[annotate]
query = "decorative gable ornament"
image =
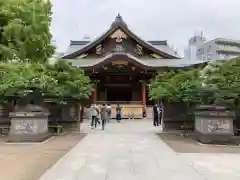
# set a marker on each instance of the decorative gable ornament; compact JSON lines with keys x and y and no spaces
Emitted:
{"x":118,"y":35}
{"x":156,"y":56}
{"x":82,"y":55}
{"x":139,"y":50}
{"x":99,"y":50}
{"x":119,"y":48}
{"x":119,"y":63}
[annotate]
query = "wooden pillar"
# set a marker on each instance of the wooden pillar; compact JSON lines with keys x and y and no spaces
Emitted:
{"x":143,"y":92}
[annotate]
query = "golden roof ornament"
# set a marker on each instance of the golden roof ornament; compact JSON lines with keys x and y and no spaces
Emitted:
{"x":156,"y":56}
{"x":139,"y":50}
{"x":99,"y":50}
{"x":120,"y":62}
{"x":82,"y":55}
{"x":118,"y":35}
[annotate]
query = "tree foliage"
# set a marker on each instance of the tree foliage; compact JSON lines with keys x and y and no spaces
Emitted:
{"x":16,"y":78}
{"x":59,"y":80}
{"x":176,"y":85}
{"x":25,"y":30}
{"x":223,"y":78}
{"x":71,"y":81}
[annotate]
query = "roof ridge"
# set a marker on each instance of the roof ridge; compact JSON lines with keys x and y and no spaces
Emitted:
{"x":158,"y":42}
{"x":79,"y":42}
{"x":119,"y":23}
{"x":119,"y":20}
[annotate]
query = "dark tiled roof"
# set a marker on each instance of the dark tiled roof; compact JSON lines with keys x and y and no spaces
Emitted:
{"x":148,"y":63}
{"x":79,"y":42}
{"x":158,"y":42}
{"x":161,"y":45}
{"x":118,"y":23}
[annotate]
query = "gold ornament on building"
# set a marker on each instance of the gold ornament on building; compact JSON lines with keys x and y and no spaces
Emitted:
{"x":118,"y":35}
{"x":156,"y":56}
{"x":139,"y":50}
{"x":99,"y":50}
{"x":82,"y":55}
{"x":120,"y":62}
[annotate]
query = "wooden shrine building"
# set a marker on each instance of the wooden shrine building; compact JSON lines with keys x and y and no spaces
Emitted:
{"x":121,"y":65}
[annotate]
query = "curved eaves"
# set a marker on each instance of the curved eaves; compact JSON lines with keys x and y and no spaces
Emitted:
{"x":129,"y":33}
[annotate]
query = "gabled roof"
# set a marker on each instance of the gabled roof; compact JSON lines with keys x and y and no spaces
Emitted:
{"x":120,"y":24}
{"x":161,"y":45}
{"x":147,"y":63}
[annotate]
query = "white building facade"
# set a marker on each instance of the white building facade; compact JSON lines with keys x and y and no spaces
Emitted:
{"x":216,"y":49}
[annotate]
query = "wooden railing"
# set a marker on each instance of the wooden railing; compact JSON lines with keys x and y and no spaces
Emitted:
{"x":118,"y":102}
{"x":128,"y":110}
{"x":131,"y":110}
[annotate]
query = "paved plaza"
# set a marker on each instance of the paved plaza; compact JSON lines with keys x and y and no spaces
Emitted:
{"x":131,"y":150}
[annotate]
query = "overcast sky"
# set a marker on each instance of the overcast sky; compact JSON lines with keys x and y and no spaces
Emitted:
{"x":172,"y":20}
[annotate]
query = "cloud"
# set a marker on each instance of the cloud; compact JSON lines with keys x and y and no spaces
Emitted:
{"x":172,"y":20}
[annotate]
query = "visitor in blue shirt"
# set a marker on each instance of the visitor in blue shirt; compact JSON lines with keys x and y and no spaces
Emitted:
{"x":118,"y":113}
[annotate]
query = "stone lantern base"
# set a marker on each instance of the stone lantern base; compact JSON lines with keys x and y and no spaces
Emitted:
{"x":214,"y":124}
{"x":28,"y":127}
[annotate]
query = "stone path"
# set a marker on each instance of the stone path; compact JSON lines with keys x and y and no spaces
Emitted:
{"x":217,"y":166}
{"x":126,"y":151}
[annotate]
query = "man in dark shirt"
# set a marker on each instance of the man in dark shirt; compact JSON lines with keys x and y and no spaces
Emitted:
{"x":155,"y":115}
{"x":104,"y":115}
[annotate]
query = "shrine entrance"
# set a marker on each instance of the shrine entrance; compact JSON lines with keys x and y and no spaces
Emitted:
{"x":124,"y":83}
{"x":119,"y":94}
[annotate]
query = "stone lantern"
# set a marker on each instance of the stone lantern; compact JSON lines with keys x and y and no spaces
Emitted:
{"x":29,"y":120}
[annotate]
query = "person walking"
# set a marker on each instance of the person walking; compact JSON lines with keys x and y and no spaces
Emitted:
{"x":94,"y":113}
{"x":104,"y":115}
{"x":118,"y":113}
{"x":109,"y":111}
{"x":155,"y":115}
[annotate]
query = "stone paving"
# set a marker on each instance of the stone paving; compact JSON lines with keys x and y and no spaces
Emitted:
{"x":132,"y":151}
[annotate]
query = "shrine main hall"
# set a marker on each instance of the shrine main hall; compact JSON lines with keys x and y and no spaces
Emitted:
{"x":121,"y":65}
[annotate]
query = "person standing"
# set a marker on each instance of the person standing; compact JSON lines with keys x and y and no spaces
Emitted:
{"x":118,"y":113}
{"x":94,"y":113}
{"x":104,"y":115}
{"x":109,"y":111}
{"x":155,"y":115}
{"x":160,"y":114}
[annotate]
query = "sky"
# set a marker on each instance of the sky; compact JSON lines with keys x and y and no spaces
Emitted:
{"x":172,"y":20}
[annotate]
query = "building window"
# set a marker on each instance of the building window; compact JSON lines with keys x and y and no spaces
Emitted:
{"x":209,"y":48}
{"x":221,"y":56}
{"x":208,"y":57}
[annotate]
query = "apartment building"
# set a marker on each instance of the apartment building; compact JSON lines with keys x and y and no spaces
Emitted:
{"x":216,"y":49}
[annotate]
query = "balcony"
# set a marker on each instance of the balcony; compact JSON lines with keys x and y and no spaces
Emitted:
{"x":231,"y":49}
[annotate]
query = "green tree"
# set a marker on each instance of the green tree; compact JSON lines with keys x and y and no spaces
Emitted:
{"x":60,"y":80}
{"x":16,"y":78}
{"x":177,"y":85}
{"x":223,"y":77}
{"x":25,"y":30}
{"x":71,"y":81}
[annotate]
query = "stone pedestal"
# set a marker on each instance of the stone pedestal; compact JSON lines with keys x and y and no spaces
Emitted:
{"x":214,"y":124}
{"x":28,"y":126}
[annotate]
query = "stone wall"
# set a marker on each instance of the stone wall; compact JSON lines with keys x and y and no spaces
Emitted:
{"x":175,"y":114}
